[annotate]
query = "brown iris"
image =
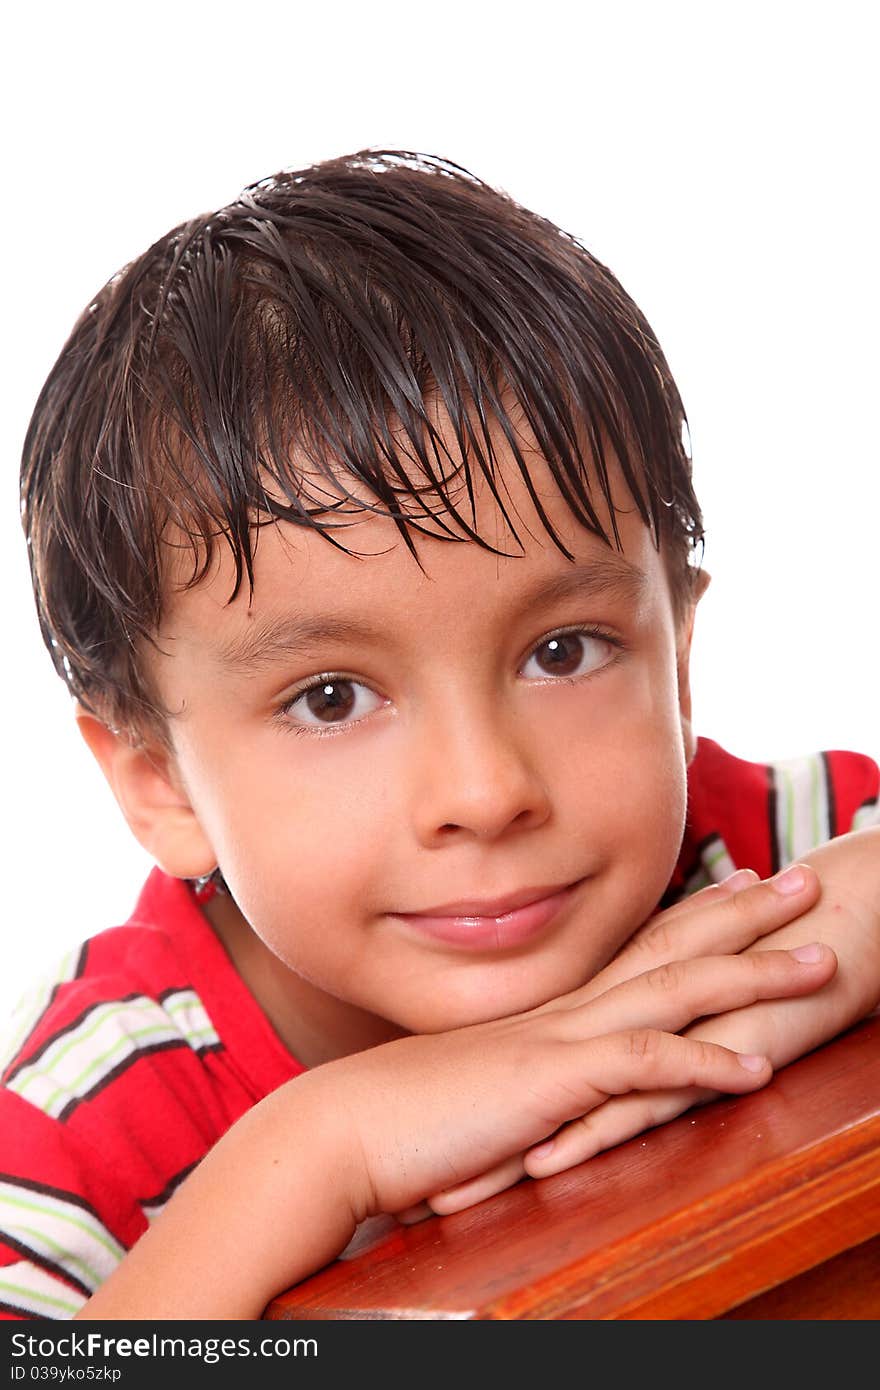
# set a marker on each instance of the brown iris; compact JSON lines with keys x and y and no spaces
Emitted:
{"x":332,"y":701}
{"x":560,"y":656}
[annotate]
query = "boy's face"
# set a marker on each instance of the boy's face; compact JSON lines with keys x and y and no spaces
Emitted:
{"x":481,"y":735}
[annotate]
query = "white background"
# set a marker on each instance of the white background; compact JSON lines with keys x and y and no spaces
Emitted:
{"x":721,"y":160}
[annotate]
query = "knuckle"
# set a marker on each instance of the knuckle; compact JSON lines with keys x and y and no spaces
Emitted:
{"x":656,"y":939}
{"x":744,"y":905}
{"x":644,"y":1044}
{"x":762,"y":963}
{"x":667,"y":978}
{"x":702,"y":1054}
{"x":757,"y":903}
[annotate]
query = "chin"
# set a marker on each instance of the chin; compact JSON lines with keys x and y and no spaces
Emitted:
{"x":493,"y":1002}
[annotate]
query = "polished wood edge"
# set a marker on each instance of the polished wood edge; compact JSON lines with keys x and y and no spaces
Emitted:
{"x":785,"y":1218}
{"x":843,"y":1289}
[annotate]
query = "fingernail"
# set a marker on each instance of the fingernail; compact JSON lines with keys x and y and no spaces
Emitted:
{"x":742,"y":878}
{"x":791,"y":880}
{"x":751,"y":1063}
{"x":808,"y":954}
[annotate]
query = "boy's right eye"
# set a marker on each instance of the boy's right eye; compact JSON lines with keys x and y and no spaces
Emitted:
{"x":329,"y":700}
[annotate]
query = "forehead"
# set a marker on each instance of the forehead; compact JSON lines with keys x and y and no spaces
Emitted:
{"x":299,"y":571}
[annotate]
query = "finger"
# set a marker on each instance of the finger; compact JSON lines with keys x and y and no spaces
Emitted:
{"x":720,"y":921}
{"x":746,"y":907}
{"x":734,"y":883}
{"x":648,"y":1059}
{"x":613,"y":1123}
{"x":467,"y":1194}
{"x":675,"y":994}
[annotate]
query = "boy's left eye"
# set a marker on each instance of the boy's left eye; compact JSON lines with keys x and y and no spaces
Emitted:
{"x":568,"y":654}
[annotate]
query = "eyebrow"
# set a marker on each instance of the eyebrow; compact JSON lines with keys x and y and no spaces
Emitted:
{"x":291,"y":635}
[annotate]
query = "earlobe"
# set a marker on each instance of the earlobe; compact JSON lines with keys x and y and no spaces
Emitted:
{"x":144,"y":781}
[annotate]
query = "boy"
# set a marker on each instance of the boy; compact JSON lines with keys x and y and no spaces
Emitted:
{"x":361,"y":530}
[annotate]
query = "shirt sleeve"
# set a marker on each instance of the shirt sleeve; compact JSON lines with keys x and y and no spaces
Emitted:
{"x":65,"y":1221}
{"x":855,"y":788}
{"x":115,"y":1084}
{"x":762,"y":816}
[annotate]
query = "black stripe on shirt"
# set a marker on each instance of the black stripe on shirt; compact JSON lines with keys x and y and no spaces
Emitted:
{"x":772,"y":799}
{"x":36,"y":1257}
{"x":68,"y":1028}
{"x":78,"y":973}
{"x":169,"y":1045}
{"x":20,"y":1312}
{"x":170,"y":1187}
{"x":829,"y":796}
{"x":59,"y":1193}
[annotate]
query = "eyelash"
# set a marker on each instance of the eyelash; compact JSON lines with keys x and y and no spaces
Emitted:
{"x":334,"y":677}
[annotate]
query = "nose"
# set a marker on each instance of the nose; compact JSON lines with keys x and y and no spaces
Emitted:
{"x":475,"y":776}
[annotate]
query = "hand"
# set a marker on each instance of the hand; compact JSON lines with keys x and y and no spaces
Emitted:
{"x":382,"y":1129}
{"x":434,"y":1111}
{"x":847,"y":918}
{"x":732,"y":916}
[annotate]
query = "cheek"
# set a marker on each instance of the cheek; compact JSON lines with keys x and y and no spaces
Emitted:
{"x":297,"y":826}
{"x":631,"y":846}
{"x":626,"y":785}
{"x":632,"y":806}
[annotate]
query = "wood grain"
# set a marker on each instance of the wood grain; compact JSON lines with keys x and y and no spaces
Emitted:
{"x":691,"y":1220}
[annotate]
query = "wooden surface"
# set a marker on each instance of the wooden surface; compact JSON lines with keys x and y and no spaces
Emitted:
{"x":763,"y":1206}
{"x":847,"y":1287}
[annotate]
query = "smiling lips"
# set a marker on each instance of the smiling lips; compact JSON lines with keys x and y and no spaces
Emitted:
{"x":491,"y":925}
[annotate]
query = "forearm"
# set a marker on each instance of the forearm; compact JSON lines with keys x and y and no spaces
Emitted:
{"x":265,"y":1208}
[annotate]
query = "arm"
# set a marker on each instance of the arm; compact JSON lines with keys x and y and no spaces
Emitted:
{"x":281,"y":1194}
{"x":846,"y":918}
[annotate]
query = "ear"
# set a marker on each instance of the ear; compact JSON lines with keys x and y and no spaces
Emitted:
{"x":702,"y":581}
{"x":146,"y":783}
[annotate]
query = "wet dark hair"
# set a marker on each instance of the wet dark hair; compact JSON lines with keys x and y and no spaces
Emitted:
{"x":280,"y":358}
